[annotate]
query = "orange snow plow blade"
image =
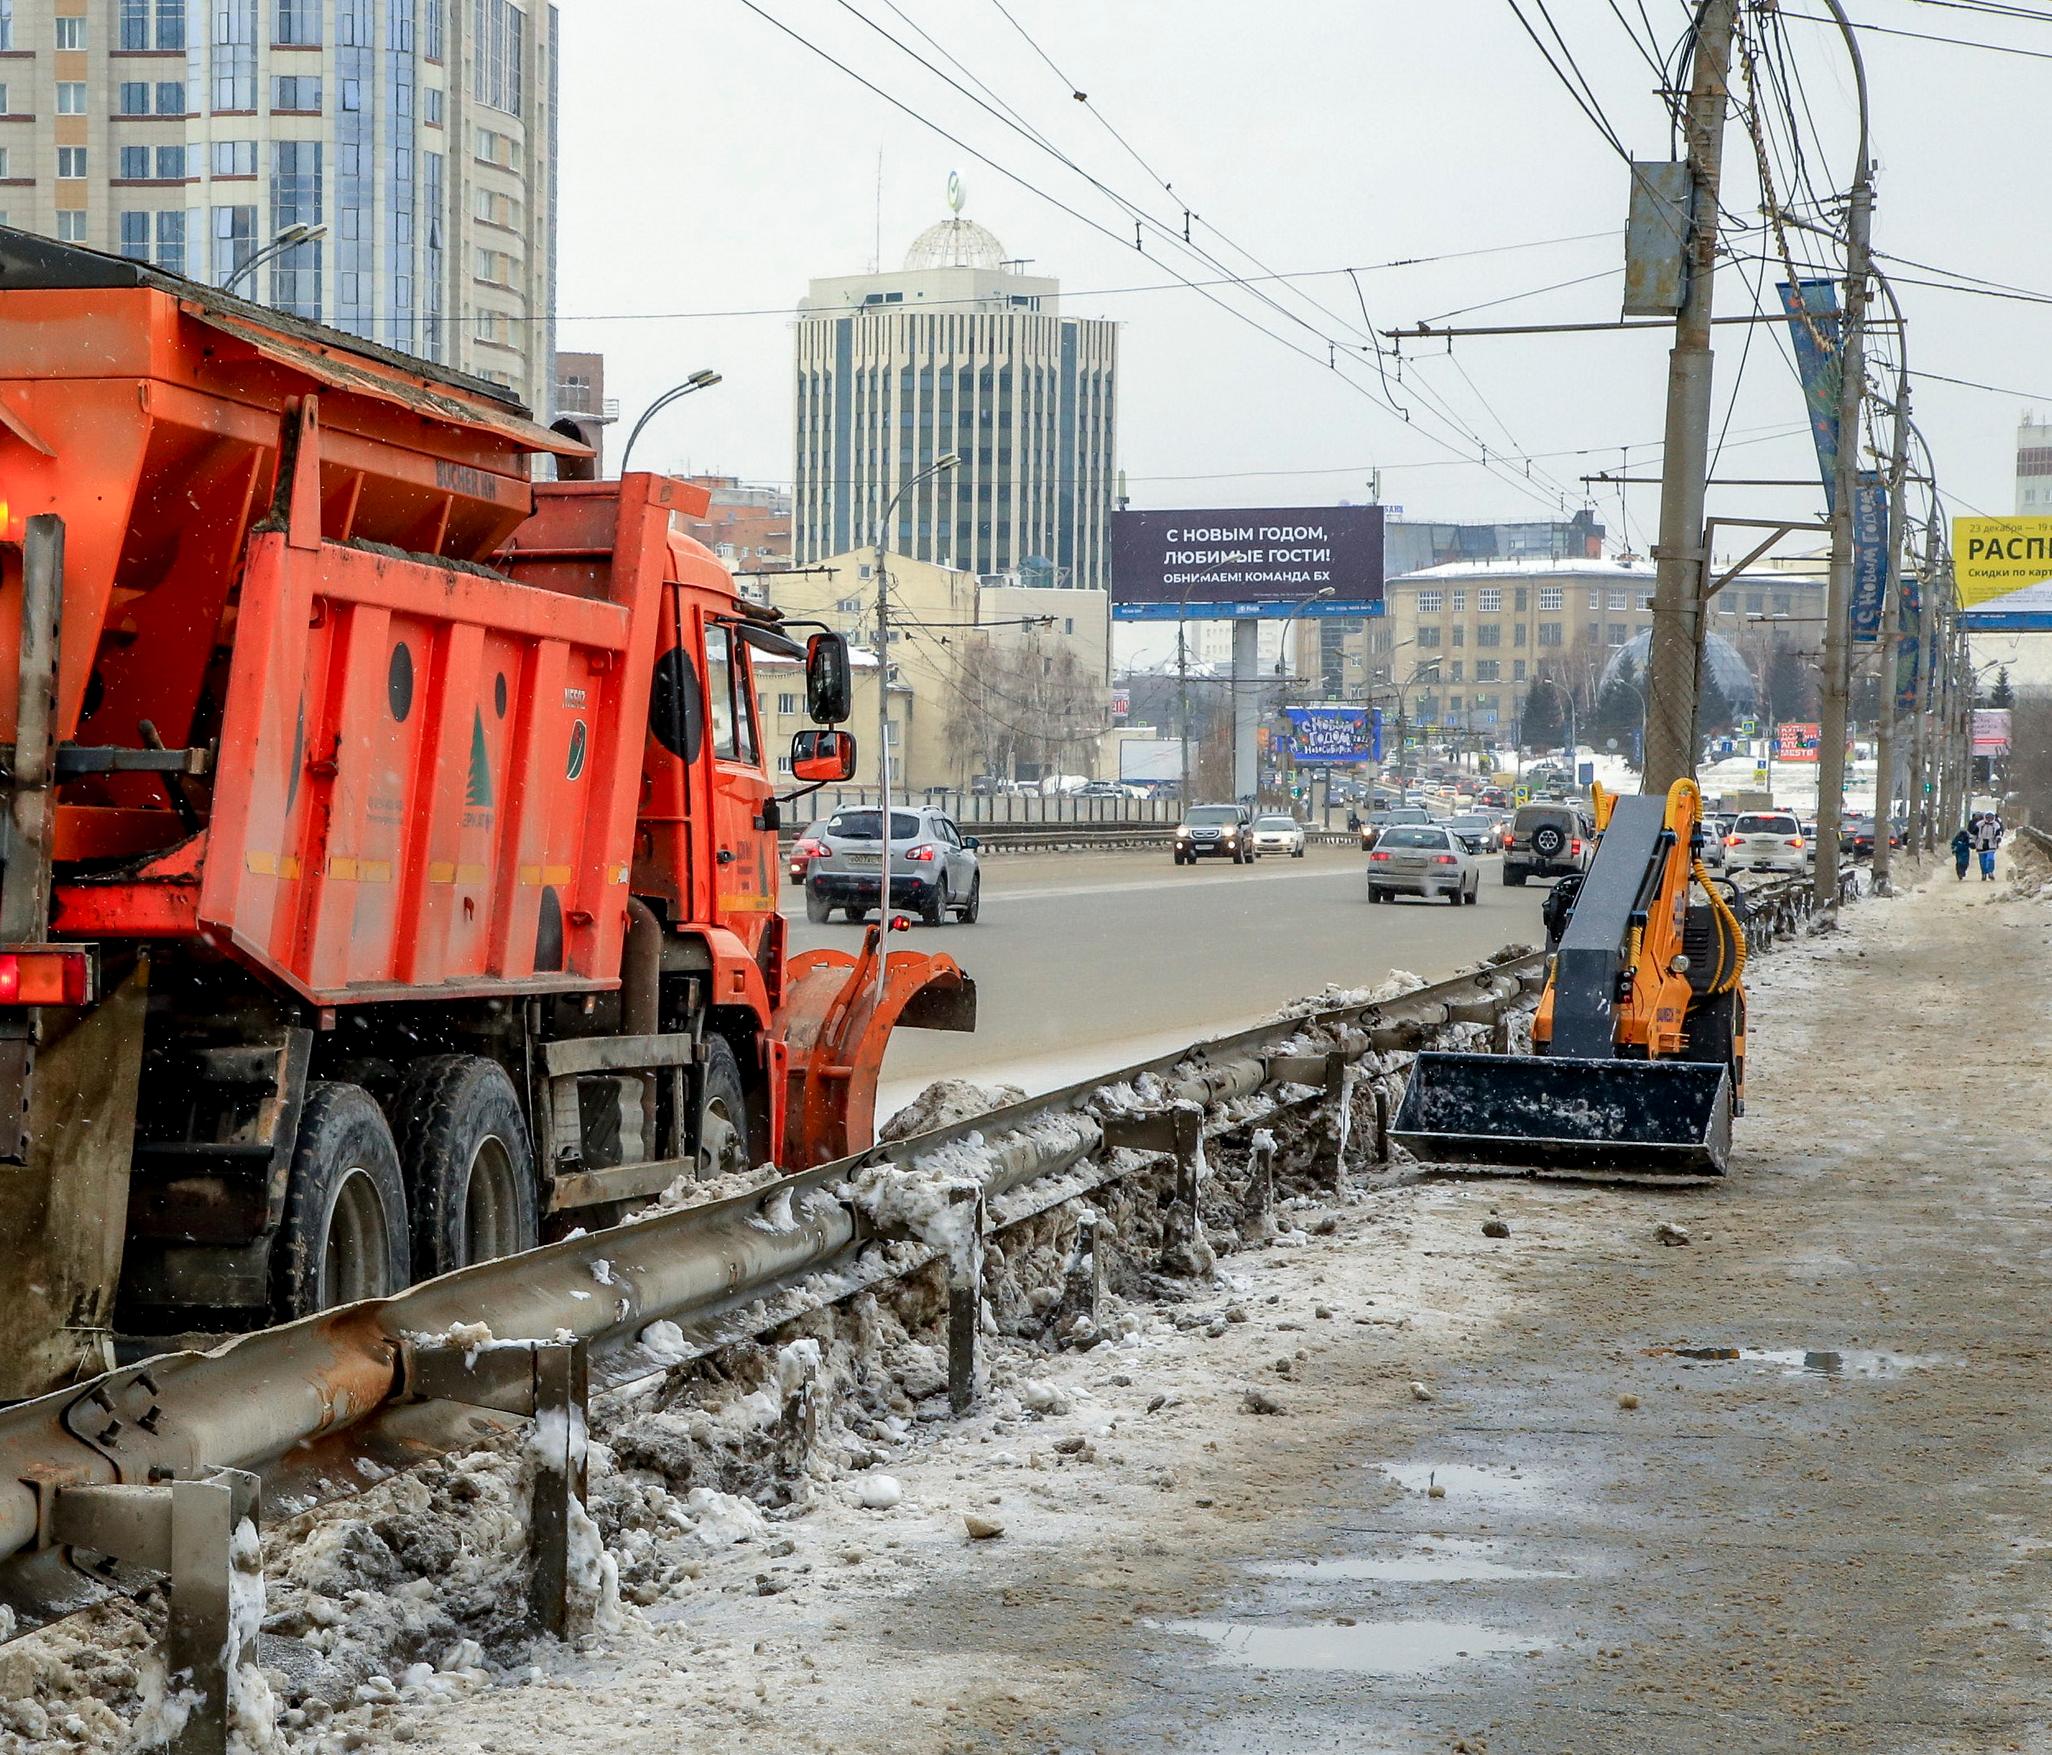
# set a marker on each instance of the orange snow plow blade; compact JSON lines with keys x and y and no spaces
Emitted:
{"x":835,"y":1032}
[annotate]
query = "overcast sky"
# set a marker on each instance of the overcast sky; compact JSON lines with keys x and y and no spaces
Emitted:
{"x":713,"y":164}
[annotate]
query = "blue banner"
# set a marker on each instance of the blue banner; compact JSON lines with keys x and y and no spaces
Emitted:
{"x":1870,"y":556}
{"x":1909,"y":644}
{"x":1334,"y":734}
{"x":1812,"y":307}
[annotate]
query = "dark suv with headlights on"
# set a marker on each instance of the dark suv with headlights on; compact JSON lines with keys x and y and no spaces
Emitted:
{"x":1216,"y":831}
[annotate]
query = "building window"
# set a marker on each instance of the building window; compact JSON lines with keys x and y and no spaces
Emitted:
{"x":299,"y":24}
{"x":432,"y":101}
{"x":71,"y":225}
{"x":496,"y":47}
{"x":434,"y":29}
{"x":234,"y":240}
{"x":138,"y":17}
{"x":1460,"y":602}
{"x":1756,"y":603}
{"x":71,"y":33}
{"x":1595,"y":600}
{"x":1430,"y":602}
{"x":1460,"y":635}
{"x":1645,"y":600}
{"x":1519,"y":603}
{"x":235,"y":158}
{"x":1489,"y":634}
{"x":1550,"y":634}
{"x":6,"y":24}
{"x":1428,"y":638}
{"x":1456,"y":677}
{"x":787,"y":704}
{"x":1618,"y":633}
{"x":296,"y":200}
{"x":170,"y":164}
{"x":71,"y":161}
{"x":135,"y":236}
{"x":1618,"y":600}
{"x":1550,"y":596}
{"x":135,"y":163}
{"x":133,"y":98}
{"x":170,"y":97}
{"x":1489,"y":600}
{"x":1488,"y":670}
{"x":71,"y":97}
{"x":1784,"y":603}
{"x":1517,"y":670}
{"x":296,"y":91}
{"x":171,"y":241}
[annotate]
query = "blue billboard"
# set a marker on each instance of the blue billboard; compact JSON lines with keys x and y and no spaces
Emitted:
{"x":1870,"y":556}
{"x":1334,"y":734}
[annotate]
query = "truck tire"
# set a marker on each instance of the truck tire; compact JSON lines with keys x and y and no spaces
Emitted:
{"x":817,"y":907}
{"x":343,"y":1236}
{"x":723,"y":1123}
{"x":468,"y":1161}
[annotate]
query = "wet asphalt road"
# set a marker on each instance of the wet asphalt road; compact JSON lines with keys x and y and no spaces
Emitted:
{"x":1088,"y":962}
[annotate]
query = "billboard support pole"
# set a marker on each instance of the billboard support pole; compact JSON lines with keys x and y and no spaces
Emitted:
{"x":1246,"y":708}
{"x":1183,"y":690}
{"x":1676,"y":656}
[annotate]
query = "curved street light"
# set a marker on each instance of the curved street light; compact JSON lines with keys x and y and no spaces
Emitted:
{"x":702,"y":379}
{"x":939,"y":466}
{"x":1282,"y":648}
{"x":289,"y":239}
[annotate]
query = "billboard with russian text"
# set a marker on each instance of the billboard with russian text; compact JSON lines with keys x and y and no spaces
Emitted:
{"x":1334,"y":734}
{"x":2003,"y":567}
{"x":1246,"y":564}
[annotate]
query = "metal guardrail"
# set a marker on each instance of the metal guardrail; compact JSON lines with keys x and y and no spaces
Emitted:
{"x":151,"y":1468}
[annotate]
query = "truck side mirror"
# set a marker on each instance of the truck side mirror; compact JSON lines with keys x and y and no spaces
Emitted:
{"x":829,"y":680}
{"x":823,"y":757}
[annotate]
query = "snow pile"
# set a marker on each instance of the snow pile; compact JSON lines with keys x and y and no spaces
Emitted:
{"x":945,"y":1102}
{"x":934,"y":1199}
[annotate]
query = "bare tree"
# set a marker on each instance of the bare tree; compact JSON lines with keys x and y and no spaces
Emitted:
{"x":1019,"y":699}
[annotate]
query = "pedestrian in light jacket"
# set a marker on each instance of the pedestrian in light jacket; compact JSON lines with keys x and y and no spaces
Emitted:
{"x":1962,"y":850}
{"x":1987,"y":838}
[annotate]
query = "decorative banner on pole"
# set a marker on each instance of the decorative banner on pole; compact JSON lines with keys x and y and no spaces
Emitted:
{"x":1812,"y":307}
{"x":1335,"y":734}
{"x":1909,"y":609}
{"x":1870,"y":556}
{"x":1799,"y":741}
{"x":1991,"y":731}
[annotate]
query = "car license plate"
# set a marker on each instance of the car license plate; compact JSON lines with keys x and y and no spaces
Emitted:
{"x":870,"y":861}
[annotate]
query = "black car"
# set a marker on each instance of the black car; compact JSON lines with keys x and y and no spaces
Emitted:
{"x":1216,"y":831}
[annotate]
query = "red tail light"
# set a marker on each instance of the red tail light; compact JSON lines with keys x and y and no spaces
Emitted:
{"x":1734,"y":840}
{"x":924,"y":853}
{"x":1795,"y":840}
{"x":1378,"y":856}
{"x":46,"y":977}
{"x":807,"y":848}
{"x":1444,"y":859}
{"x":1575,"y":848}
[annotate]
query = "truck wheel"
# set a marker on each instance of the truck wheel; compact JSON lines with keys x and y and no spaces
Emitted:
{"x":723,"y":1114}
{"x":343,"y":1236}
{"x":468,"y":1161}
{"x":817,"y":908}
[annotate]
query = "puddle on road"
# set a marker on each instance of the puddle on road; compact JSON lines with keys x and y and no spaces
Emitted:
{"x":1454,"y":1562}
{"x":1472,"y":1482}
{"x":1368,"y":1648}
{"x":1798,"y":1362}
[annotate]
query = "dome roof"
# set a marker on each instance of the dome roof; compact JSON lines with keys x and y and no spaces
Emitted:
{"x":1721,"y":660}
{"x":955,"y":243}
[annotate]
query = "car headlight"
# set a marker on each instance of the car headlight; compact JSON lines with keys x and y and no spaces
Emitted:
{"x":1182,"y":834}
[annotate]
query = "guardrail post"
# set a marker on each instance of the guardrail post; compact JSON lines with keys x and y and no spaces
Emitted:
{"x":1259,"y":1210}
{"x":1339,"y":1086}
{"x":185,"y":1529}
{"x":1083,"y":1282}
{"x":562,"y":1399}
{"x":1183,"y":1246}
{"x":965,"y":1302}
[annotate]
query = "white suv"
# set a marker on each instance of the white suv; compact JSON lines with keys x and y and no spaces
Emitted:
{"x":1766,"y":841}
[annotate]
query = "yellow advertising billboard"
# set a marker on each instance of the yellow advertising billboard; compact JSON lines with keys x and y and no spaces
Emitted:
{"x":2003,"y":567}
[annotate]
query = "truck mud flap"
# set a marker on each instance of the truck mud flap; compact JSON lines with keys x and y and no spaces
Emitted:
{"x":1610,"y":1117}
{"x":64,"y":1213}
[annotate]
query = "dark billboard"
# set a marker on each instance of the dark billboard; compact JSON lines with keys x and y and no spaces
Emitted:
{"x":1261,"y":563}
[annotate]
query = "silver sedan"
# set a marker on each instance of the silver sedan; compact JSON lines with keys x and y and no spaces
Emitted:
{"x":1428,"y":862}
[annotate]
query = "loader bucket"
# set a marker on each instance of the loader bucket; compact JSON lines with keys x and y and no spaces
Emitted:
{"x":1615,"y":1117}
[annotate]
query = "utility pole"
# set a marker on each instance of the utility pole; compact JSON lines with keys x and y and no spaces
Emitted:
{"x":1183,"y":698}
{"x":1838,"y":604}
{"x":1891,"y":584}
{"x":1676,"y":659}
{"x":1917,"y":835}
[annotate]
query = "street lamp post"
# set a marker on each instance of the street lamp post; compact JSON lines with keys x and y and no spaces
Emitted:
{"x":939,"y":466}
{"x":289,"y":239}
{"x":702,"y":379}
{"x":1417,"y":672}
{"x":1282,"y":659}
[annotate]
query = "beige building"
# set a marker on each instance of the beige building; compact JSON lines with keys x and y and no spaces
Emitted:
{"x":998,"y":676}
{"x":413,"y":138}
{"x":1467,"y":639}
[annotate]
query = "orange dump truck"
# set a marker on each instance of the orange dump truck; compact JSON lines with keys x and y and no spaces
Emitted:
{"x":390,"y":864}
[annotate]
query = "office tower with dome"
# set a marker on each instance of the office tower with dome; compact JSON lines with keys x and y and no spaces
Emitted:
{"x":960,"y":351}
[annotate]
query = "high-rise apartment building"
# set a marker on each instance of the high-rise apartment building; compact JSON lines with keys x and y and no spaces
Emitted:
{"x":415,"y":140}
{"x":963,"y":352}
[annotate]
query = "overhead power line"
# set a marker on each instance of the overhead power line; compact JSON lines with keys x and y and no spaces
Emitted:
{"x":1883,"y":30}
